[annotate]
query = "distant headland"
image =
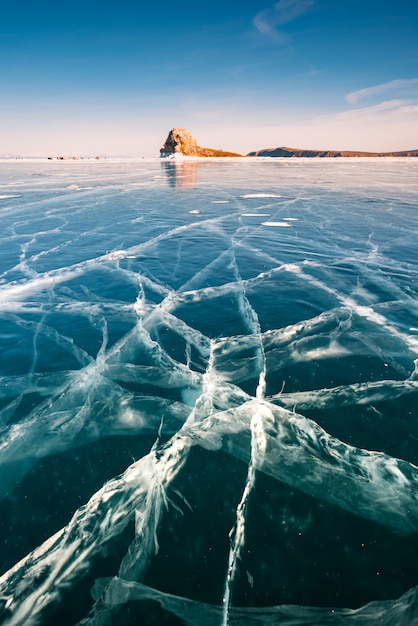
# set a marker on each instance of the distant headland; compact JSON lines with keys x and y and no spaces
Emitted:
{"x":298,"y":152}
{"x":181,"y":142}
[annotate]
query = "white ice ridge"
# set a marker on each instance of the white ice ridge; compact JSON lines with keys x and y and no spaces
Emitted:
{"x":116,"y":591}
{"x":291,"y":448}
{"x":346,"y":395}
{"x":73,"y":397}
{"x":140,"y":492}
{"x":237,"y":534}
{"x":333,"y":333}
{"x":301,"y":454}
{"x":65,"y":419}
{"x":17,"y":290}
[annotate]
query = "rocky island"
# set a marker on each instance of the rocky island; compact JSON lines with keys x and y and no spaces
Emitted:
{"x":181,"y":142}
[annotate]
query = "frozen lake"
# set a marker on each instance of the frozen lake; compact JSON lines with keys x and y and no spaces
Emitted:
{"x":209,"y":392}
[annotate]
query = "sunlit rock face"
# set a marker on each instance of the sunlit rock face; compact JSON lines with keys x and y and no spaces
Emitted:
{"x":181,"y":142}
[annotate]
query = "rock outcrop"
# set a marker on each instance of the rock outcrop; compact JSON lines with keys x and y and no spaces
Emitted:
{"x":180,"y":141}
{"x":298,"y":152}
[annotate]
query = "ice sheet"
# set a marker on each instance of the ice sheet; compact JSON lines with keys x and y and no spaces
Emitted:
{"x":205,"y":415}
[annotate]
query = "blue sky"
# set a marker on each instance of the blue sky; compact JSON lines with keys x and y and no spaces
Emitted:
{"x":89,"y":77}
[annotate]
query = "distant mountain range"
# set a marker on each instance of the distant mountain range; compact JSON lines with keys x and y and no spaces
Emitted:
{"x":299,"y":152}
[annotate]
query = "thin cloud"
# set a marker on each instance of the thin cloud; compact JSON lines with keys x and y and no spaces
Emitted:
{"x":388,"y":126}
{"x":376,"y":90}
{"x":284,"y":11}
{"x":377,"y":111}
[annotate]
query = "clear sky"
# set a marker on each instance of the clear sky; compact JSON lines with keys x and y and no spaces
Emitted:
{"x":97,"y":77}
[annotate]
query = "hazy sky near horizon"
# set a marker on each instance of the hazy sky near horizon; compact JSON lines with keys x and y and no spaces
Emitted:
{"x":89,"y":77}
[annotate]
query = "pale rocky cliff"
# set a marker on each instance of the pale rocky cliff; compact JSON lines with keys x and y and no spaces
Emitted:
{"x":180,"y":141}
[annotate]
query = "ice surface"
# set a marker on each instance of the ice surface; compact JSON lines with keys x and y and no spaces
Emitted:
{"x":207,"y":417}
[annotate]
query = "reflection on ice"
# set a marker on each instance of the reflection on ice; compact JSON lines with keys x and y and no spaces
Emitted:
{"x":181,"y":172}
{"x":208,"y":421}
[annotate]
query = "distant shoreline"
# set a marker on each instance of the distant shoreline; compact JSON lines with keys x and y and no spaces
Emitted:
{"x":256,"y":156}
{"x":301,"y":152}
